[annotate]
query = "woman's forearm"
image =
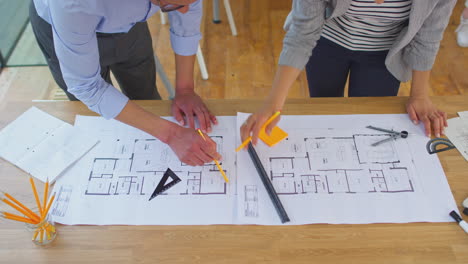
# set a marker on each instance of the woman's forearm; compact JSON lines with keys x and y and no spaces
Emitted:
{"x":284,"y":79}
{"x":420,"y":84}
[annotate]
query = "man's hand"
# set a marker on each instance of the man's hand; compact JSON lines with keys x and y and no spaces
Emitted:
{"x":187,"y":144}
{"x":187,"y":105}
{"x":422,"y":109}
{"x":191,"y":148}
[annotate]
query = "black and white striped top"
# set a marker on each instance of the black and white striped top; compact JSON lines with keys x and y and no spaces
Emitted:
{"x":368,"y":26}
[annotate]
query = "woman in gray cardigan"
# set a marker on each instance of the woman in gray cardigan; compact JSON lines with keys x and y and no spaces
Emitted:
{"x":377,"y":43}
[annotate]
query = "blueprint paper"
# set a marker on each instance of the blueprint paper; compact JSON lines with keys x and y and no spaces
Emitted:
{"x":326,"y":171}
{"x":457,"y":132}
{"x":43,"y":145}
{"x":113,"y":182}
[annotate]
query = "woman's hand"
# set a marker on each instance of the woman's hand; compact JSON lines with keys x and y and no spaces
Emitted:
{"x":421,"y":109}
{"x":255,"y":122}
{"x":284,"y":78}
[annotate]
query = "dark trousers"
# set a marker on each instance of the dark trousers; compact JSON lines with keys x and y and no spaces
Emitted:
{"x":129,"y":56}
{"x":330,"y":64}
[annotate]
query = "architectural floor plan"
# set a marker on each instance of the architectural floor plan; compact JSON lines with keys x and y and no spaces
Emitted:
{"x":112,"y":184}
{"x":327,"y":171}
{"x":339,"y":165}
{"x":137,"y":166}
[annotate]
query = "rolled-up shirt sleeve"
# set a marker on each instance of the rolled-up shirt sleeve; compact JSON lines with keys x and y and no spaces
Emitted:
{"x":75,"y":42}
{"x":185,"y":29}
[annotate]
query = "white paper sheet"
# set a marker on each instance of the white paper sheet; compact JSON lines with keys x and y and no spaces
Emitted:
{"x":327,"y":172}
{"x":113,"y":182}
{"x":463,"y":114}
{"x":43,"y":145}
{"x":457,"y":132}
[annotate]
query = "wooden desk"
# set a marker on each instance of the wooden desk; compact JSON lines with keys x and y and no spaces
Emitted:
{"x":319,"y":243}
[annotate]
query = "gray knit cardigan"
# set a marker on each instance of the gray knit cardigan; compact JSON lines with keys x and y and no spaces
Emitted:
{"x":415,"y":48}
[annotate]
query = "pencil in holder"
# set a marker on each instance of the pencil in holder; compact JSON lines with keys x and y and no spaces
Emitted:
{"x":42,"y":233}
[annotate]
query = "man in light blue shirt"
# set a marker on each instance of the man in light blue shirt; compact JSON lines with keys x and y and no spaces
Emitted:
{"x":83,"y":40}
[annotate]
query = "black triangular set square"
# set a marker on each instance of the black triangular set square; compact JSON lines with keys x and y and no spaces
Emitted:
{"x":163,"y":185}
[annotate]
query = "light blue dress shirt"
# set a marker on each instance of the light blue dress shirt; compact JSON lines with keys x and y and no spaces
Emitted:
{"x":74,"y":25}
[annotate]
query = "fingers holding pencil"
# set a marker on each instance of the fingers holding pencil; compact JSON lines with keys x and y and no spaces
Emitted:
{"x":215,"y":159}
{"x":209,"y":148}
{"x":254,"y":124}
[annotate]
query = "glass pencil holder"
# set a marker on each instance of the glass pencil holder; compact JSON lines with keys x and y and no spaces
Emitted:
{"x":42,"y":233}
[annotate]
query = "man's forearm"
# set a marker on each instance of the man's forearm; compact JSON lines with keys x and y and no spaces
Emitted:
{"x":136,"y":116}
{"x":184,"y":73}
{"x":420,"y":84}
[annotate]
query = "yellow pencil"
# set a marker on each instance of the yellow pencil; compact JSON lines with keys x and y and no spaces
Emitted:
{"x":18,"y":218}
{"x":222,"y":171}
{"x":216,"y":162}
{"x":47,"y":234}
{"x":246,"y":142}
{"x":32,"y":217}
{"x":46,"y":211}
{"x":46,"y":194}
{"x":45,"y":229}
{"x":271,"y":118}
{"x":50,"y":227}
{"x":36,"y":196}
{"x":20,"y":204}
{"x":201,"y":134}
{"x":41,"y":236}
{"x":35,"y":234}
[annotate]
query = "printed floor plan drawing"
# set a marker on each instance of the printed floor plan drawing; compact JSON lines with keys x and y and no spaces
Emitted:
{"x":339,"y":165}
{"x":326,"y":171}
{"x":138,"y":165}
{"x":61,"y":202}
{"x":113,"y":183}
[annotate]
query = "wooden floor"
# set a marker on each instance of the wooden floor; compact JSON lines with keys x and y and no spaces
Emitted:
{"x":243,"y":66}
